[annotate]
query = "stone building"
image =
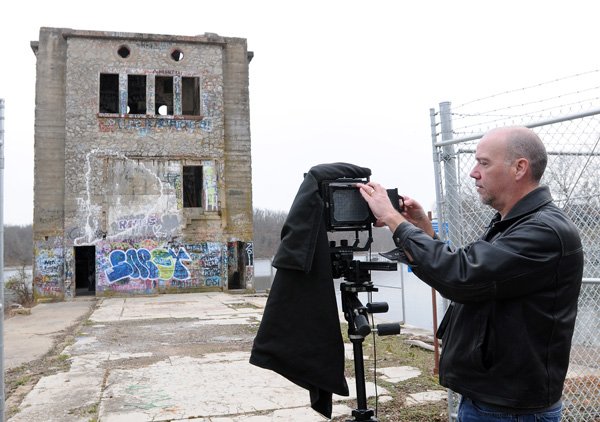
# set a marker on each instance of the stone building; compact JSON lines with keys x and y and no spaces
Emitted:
{"x":143,"y":171}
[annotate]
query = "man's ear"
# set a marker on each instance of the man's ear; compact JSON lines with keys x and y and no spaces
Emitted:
{"x":521,"y":168}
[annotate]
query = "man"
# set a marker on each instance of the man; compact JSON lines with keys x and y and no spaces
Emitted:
{"x":507,"y":336}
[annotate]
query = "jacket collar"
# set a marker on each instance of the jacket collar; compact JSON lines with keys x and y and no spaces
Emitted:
{"x":531,"y":202}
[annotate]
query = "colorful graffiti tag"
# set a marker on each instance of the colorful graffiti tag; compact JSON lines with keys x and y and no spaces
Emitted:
{"x":158,"y":264}
{"x":208,"y":261}
{"x":211,"y":198}
{"x":145,"y":125}
{"x":49,"y":268}
{"x":149,"y":266}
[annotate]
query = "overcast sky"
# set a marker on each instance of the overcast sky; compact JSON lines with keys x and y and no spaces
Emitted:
{"x":330,"y":81}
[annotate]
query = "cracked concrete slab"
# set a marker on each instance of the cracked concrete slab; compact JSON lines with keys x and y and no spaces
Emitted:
{"x":176,"y":357}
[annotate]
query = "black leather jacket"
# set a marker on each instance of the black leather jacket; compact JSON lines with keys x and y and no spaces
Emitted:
{"x":507,"y":337}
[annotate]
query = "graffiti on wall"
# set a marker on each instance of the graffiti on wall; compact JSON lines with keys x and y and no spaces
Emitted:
{"x":155,"y":264}
{"x":208,"y":260}
{"x":249,"y":249}
{"x":209,"y":178}
{"x":150,"y":212}
{"x":68,"y":276}
{"x":146,"y":225}
{"x":49,"y":268}
{"x":135,"y":221}
{"x":149,"y":266}
{"x":146,"y":125}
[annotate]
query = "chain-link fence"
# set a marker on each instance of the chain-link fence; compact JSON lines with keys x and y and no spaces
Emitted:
{"x":573,"y":175}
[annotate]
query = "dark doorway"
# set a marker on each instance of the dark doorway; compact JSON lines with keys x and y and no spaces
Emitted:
{"x":239,"y":258}
{"x":85,"y":270}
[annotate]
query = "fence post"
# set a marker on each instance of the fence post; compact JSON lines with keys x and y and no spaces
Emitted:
{"x":451,"y":204}
{"x":451,"y":196}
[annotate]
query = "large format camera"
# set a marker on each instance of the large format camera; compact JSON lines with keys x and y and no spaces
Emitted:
{"x":346,"y":211}
{"x":346,"y":208}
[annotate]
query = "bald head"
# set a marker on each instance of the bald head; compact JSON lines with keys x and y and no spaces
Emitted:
{"x":510,"y":162}
{"x":522,"y":142}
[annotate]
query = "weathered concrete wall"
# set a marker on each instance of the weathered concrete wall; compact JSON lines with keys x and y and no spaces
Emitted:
{"x":238,"y":172}
{"x":120,"y":174}
{"x":49,"y":137}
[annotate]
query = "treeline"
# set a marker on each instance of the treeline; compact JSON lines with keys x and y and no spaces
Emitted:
{"x":267,"y":234}
{"x":18,"y":245}
{"x":18,"y":240}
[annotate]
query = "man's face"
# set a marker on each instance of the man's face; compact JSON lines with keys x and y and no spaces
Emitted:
{"x":492,"y":174}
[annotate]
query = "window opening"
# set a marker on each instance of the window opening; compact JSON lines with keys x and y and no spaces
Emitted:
{"x":190,"y":96}
{"x":192,"y":186}
{"x":136,"y":94}
{"x":177,"y":55}
{"x":163,"y":95}
{"x":109,"y":93}
{"x":124,"y":51}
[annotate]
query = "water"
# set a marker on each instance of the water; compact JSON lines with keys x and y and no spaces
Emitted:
{"x":417,"y":295}
{"x":13,"y":271}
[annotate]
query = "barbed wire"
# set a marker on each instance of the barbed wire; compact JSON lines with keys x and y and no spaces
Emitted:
{"x":468,"y":118}
{"x":512,"y":91}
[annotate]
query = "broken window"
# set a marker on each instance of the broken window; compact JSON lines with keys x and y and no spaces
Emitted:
{"x":164,"y":98}
{"x":177,"y":55}
{"x":163,"y":95}
{"x":192,"y":186}
{"x":136,"y":94}
{"x":109,"y":93}
{"x":190,"y":96}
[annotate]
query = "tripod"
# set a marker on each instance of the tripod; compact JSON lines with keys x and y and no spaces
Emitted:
{"x":358,"y":328}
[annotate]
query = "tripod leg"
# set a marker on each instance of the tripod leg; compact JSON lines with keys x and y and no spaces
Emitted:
{"x":361,"y":413}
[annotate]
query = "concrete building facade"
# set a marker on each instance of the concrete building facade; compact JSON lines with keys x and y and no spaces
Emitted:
{"x":142,"y":177}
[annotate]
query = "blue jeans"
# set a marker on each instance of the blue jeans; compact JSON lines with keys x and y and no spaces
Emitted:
{"x":470,"y":411}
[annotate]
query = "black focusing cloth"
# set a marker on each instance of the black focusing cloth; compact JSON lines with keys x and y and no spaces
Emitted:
{"x":300,"y":336}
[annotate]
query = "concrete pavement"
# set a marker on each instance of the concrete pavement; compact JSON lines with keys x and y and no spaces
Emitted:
{"x":166,"y":358}
{"x":29,"y":337}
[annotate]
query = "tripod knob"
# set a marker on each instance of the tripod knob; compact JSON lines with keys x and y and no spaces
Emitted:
{"x":388,"y":329}
{"x":363,"y":328}
{"x":377,"y":307}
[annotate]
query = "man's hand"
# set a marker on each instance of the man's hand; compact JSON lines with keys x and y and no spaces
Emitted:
{"x":415,"y":214}
{"x":385,"y":213}
{"x":381,"y":206}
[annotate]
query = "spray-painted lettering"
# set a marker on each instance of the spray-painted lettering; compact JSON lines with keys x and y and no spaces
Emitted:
{"x":158,"y":264}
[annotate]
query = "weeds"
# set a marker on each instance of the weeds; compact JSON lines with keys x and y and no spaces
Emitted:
{"x":20,"y":285}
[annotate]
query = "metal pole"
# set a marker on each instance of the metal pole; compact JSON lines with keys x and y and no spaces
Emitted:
{"x":451,"y":198}
{"x":2,"y":259}
{"x":449,"y":158}
{"x":436,"y":172}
